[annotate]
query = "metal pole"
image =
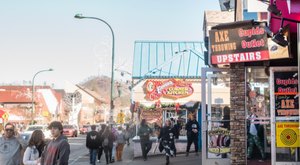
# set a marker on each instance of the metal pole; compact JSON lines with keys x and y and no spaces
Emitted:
{"x":79,"y":16}
{"x":32,"y":94}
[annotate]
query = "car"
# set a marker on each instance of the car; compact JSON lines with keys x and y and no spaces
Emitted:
{"x":70,"y":130}
{"x":28,"y":132}
{"x":85,"y":129}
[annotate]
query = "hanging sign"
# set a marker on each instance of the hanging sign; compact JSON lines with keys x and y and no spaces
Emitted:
{"x":243,"y":44}
{"x":286,"y":89}
{"x":152,"y":116}
{"x":170,"y":88}
{"x":287,"y":134}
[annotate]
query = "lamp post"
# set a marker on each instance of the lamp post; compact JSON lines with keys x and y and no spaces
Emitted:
{"x":32,"y":90}
{"x":79,"y":16}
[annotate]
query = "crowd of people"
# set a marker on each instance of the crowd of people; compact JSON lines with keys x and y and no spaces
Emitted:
{"x":108,"y":140}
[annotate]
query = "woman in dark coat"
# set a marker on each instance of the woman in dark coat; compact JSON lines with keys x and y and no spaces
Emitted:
{"x":167,"y":136}
{"x":107,"y":139}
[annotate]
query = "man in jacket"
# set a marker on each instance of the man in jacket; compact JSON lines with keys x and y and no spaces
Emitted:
{"x":57,"y":151}
{"x":11,"y":145}
{"x":92,"y":143}
{"x":144,"y":132}
{"x":192,"y":128}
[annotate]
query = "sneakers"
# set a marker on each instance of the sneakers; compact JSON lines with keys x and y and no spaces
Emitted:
{"x":261,"y":160}
{"x":98,"y":161}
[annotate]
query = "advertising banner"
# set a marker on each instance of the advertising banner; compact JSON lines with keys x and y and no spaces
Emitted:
{"x":286,"y":89}
{"x":287,"y":134}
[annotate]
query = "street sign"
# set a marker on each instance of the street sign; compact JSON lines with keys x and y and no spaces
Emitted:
{"x":5,"y":116}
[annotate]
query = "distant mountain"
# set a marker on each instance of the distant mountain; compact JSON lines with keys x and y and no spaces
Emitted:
{"x":101,"y":85}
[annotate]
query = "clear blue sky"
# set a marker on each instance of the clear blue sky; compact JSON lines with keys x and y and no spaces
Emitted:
{"x":40,"y":34}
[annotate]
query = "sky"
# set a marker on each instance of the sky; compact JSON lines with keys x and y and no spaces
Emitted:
{"x":40,"y":34}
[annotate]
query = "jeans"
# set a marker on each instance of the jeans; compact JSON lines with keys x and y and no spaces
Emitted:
{"x":93,"y":154}
{"x":146,"y":147}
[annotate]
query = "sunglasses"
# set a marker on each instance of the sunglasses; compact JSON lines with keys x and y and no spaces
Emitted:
{"x":11,"y":130}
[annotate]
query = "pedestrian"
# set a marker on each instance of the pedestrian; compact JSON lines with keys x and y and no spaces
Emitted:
{"x":192,"y":127}
{"x":107,"y":139}
{"x":114,"y":132}
{"x":176,"y":129}
{"x":92,"y":143}
{"x":57,"y":151}
{"x":11,"y":145}
{"x":253,"y":135}
{"x":120,"y":143}
{"x":167,"y":138}
{"x":33,"y":152}
{"x":144,"y":132}
{"x":100,"y":149}
{"x":127,"y":135}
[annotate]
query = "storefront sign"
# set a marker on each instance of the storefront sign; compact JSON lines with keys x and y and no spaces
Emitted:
{"x":286,"y":89}
{"x":219,"y":141}
{"x":167,"y":88}
{"x":287,"y":134}
{"x":152,"y":116}
{"x":242,"y":44}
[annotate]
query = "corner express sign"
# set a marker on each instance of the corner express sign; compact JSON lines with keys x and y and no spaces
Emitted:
{"x":170,"y":88}
{"x":243,"y":44}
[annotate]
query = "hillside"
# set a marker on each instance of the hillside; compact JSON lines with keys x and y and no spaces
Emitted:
{"x":101,"y":85}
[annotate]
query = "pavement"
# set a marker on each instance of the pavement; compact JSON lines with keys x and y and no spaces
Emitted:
{"x":127,"y":159}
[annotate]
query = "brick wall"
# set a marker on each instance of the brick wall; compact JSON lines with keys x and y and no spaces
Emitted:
{"x":237,"y":114}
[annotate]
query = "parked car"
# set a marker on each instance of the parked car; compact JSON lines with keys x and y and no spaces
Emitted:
{"x":70,"y":130}
{"x":28,"y":132}
{"x":85,"y":129}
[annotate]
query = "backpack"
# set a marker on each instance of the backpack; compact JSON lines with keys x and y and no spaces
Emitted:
{"x":120,"y":138}
{"x":105,"y":141}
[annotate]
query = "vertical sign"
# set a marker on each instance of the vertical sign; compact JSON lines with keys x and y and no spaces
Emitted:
{"x":286,"y":90}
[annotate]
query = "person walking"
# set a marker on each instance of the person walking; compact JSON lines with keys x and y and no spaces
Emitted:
{"x":100,"y":149}
{"x":11,"y":145}
{"x":127,"y":135}
{"x":92,"y":143}
{"x":114,"y":132}
{"x":167,"y":138}
{"x":120,"y":143}
{"x":192,"y":127}
{"x":107,"y":139}
{"x":253,"y":136}
{"x":144,"y":132}
{"x":33,"y":152}
{"x":57,"y":151}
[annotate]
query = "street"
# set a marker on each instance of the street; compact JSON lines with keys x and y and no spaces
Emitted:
{"x":79,"y":156}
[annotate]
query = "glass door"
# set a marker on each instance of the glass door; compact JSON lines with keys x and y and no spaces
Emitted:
{"x":285,"y":116}
{"x":215,"y":98}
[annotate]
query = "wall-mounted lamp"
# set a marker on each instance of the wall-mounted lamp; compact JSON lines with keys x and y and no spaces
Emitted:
{"x":273,"y":9}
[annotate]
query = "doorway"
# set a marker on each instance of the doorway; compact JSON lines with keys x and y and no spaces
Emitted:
{"x":215,"y":98}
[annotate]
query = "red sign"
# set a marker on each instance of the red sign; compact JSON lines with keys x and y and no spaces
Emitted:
{"x":168,"y":88}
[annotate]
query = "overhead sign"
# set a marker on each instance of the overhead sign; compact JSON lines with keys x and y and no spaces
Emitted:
{"x":243,"y":44}
{"x":287,"y":134}
{"x":170,"y":88}
{"x":286,"y":89}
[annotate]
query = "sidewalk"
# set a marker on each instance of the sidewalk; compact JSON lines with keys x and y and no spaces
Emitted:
{"x":129,"y":160}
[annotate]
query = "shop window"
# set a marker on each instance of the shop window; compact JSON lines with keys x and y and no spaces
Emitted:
{"x":258,"y":114}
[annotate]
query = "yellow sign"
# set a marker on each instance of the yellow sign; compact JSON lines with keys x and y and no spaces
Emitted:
{"x":287,"y":134}
{"x":5,"y":116}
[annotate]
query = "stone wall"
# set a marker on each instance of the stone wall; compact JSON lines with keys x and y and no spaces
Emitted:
{"x":237,"y":114}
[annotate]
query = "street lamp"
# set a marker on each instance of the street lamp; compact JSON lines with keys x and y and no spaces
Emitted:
{"x":79,"y":16}
{"x":32,"y":90}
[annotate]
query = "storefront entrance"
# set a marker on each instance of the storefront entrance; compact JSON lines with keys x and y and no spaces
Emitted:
{"x":215,"y":84}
